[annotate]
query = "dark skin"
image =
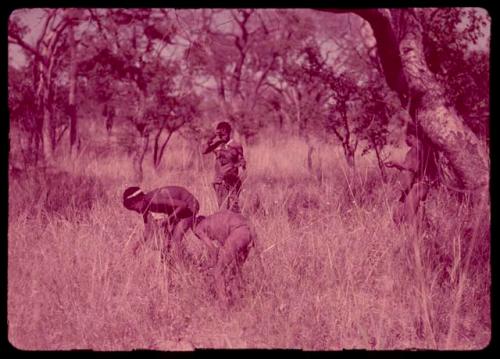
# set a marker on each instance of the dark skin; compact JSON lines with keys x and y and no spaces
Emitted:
{"x":221,"y":136}
{"x":172,"y":200}
{"x":414,"y":190}
{"x":228,"y":237}
{"x":176,"y":202}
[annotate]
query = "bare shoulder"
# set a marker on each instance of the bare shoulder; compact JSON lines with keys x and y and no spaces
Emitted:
{"x":227,"y":216}
{"x":172,"y":190}
{"x":235,"y":144}
{"x":412,"y":153}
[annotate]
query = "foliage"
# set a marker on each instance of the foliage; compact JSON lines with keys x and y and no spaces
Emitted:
{"x":259,"y":69}
{"x":449,"y":38}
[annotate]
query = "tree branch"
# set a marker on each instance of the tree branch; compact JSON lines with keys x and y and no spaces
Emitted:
{"x":388,"y":47}
{"x":16,"y":39}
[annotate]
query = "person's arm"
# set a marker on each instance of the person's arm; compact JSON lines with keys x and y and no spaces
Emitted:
{"x":410,"y":162}
{"x":211,"y":145}
{"x":212,"y":246}
{"x":237,"y":156}
{"x":172,"y":218}
{"x":178,"y":206}
{"x":241,"y":159}
{"x":148,"y":226}
{"x":394,"y":164}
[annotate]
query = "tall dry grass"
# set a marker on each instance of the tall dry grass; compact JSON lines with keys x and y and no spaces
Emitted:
{"x":337,"y":272}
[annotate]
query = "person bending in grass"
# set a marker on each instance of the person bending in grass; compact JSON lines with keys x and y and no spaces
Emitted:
{"x":168,"y":213}
{"x":418,"y":174}
{"x":229,"y":237}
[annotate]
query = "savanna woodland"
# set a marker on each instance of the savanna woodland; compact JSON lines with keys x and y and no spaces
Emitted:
{"x":103,"y":99}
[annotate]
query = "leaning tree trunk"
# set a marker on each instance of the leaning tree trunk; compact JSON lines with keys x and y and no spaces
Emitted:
{"x":407,"y":73}
{"x":444,"y":127}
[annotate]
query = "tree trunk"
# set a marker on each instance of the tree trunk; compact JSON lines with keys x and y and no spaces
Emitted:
{"x":310,"y":151}
{"x":407,"y":73}
{"x":444,"y":127}
{"x":46,"y":125}
{"x":139,"y":157}
{"x":73,"y":129}
{"x":156,"y":145}
{"x":52,"y":120}
{"x":381,"y":165}
{"x":349,"y":154}
{"x":161,"y":151}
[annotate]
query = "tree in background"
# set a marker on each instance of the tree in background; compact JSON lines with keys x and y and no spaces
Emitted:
{"x":43,"y":56}
{"x":154,"y":69}
{"x":400,"y":48}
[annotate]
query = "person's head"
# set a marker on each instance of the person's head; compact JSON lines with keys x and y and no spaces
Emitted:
{"x":223,"y":130}
{"x":411,"y":135}
{"x":132,"y":199}
{"x":197,"y":221}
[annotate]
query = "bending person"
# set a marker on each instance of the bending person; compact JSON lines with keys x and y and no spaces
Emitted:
{"x":229,"y":237}
{"x":169,"y":210}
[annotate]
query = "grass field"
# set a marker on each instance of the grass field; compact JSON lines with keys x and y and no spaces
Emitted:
{"x":337,"y":272}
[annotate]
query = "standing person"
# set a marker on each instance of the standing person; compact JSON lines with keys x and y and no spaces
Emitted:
{"x":228,"y":158}
{"x":229,"y":237}
{"x":418,"y":173}
{"x":169,"y":211}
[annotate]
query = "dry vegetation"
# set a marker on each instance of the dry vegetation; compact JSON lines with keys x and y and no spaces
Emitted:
{"x":337,"y":273}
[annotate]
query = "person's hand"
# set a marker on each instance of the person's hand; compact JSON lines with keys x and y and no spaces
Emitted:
{"x":135,"y":248}
{"x":390,"y":164}
{"x":212,"y":139}
{"x":210,"y":261}
{"x":216,"y":142}
{"x":243,"y":174}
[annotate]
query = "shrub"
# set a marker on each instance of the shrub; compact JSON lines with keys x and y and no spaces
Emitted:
{"x":54,"y":192}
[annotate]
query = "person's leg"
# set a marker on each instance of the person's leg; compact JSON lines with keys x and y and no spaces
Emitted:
{"x":398,"y":213}
{"x":221,"y":192}
{"x":417,"y":194}
{"x":233,"y":197}
{"x":153,"y":234}
{"x":178,"y":233}
{"x":409,"y":208}
{"x":230,"y":257}
{"x":181,"y":228}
